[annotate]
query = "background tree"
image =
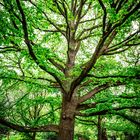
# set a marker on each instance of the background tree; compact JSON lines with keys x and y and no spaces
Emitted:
{"x":71,"y":46}
{"x":3,"y":130}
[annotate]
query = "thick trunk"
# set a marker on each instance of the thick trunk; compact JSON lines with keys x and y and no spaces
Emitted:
{"x":66,"y":131}
{"x":67,"y":121}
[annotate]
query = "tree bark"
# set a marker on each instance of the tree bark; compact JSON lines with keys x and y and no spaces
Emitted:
{"x":66,"y":131}
{"x":67,"y":120}
{"x":99,"y":128}
{"x":101,"y":131}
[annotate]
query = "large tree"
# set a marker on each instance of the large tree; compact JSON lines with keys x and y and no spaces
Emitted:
{"x":71,"y":46}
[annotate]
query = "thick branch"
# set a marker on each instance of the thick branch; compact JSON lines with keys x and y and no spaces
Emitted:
{"x":89,"y":105}
{"x":26,"y":80}
{"x":104,"y":16}
{"x":114,"y":76}
{"x":93,"y":105}
{"x":107,"y":111}
{"x":98,"y":89}
{"x":25,"y":30}
{"x":109,"y":41}
{"x":98,"y":51}
{"x":47,"y":128}
{"x":88,"y":66}
{"x":27,"y":41}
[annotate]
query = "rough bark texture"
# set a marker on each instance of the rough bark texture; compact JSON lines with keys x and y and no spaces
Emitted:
{"x":67,"y":121}
{"x":66,"y":129}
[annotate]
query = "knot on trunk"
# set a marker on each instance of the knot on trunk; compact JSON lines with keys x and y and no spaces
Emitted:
{"x":67,"y":116}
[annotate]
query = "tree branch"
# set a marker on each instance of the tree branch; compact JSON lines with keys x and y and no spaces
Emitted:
{"x":113,"y":76}
{"x":98,"y":52}
{"x":88,"y":8}
{"x":88,"y":66}
{"x":79,"y":12}
{"x":28,"y":43}
{"x":87,"y":122}
{"x":120,"y":4}
{"x":104,"y":16}
{"x":87,"y":30}
{"x":93,"y":105}
{"x":126,"y":16}
{"x":73,"y":6}
{"x":89,"y":20}
{"x":129,"y":118}
{"x":26,"y":80}
{"x":126,"y":40}
{"x":57,"y":65}
{"x":98,"y":89}
{"x":107,"y":111}
{"x":25,"y":30}
{"x":49,"y":20}
{"x":45,"y":128}
{"x":59,"y":8}
{"x":9,"y":49}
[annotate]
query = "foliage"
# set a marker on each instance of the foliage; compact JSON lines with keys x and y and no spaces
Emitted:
{"x":66,"y":60}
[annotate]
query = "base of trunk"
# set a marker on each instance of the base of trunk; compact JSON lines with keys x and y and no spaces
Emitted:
{"x":66,"y":131}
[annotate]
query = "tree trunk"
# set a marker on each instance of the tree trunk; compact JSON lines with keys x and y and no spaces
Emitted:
{"x":66,"y":131}
{"x":101,"y":131}
{"x":67,"y":121}
{"x":99,"y":128}
{"x":8,"y":136}
{"x":104,"y":134}
{"x":33,"y":135}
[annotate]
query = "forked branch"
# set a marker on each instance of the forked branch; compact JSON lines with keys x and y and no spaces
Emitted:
{"x":98,"y":89}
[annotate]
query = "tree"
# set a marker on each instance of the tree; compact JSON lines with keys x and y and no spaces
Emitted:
{"x":72,"y":47}
{"x":3,"y":130}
